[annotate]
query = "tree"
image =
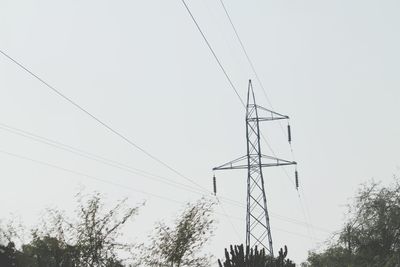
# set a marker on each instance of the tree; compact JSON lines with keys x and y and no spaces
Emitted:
{"x":371,"y":237}
{"x":253,"y":257}
{"x":96,"y":233}
{"x":90,"y":240}
{"x":179,"y":245}
{"x":335,"y":256}
{"x":8,"y":255}
{"x":49,"y":251}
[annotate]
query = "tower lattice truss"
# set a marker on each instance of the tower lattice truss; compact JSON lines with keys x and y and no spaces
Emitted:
{"x":258,"y":231}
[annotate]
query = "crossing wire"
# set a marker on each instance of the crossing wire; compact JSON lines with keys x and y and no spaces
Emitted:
{"x":102,"y":180}
{"x":130,"y":169}
{"x":234,"y":88}
{"x":250,"y":62}
{"x":224,"y":71}
{"x":268,"y":100}
{"x":213,"y":53}
{"x":94,"y":157}
{"x":105,"y":125}
{"x":78,"y":173}
{"x":258,"y":80}
{"x":224,"y":213}
{"x":108,"y":127}
{"x":218,"y":62}
{"x":245,"y":52}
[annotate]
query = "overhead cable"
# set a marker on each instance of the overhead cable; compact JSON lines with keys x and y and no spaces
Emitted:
{"x":102,"y":180}
{"x":105,"y":125}
{"x":94,"y":157}
{"x":213,"y":52}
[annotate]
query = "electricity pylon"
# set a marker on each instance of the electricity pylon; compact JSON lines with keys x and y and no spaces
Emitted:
{"x":258,"y":229}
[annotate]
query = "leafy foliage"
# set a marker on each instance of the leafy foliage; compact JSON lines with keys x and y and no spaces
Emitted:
{"x":333,"y":256}
{"x":95,"y":233}
{"x":371,"y":236}
{"x":90,"y":240}
{"x":49,"y":251}
{"x":179,"y":245}
{"x":8,"y":255}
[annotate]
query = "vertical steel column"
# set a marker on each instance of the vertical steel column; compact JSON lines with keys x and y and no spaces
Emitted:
{"x":258,"y":231}
{"x":257,"y":218}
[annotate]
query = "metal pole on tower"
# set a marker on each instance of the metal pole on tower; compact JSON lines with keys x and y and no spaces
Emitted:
{"x":258,"y":230}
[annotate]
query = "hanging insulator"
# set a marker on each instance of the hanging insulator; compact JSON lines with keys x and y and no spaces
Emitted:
{"x":296,"y":174}
{"x":289,"y":133}
{"x":215,"y":185}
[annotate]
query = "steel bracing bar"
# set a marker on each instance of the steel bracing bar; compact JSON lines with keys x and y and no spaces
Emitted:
{"x":234,"y":164}
{"x":273,"y":115}
{"x":257,"y":218}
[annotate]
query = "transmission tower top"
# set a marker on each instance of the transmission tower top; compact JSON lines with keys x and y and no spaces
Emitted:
{"x":258,"y":231}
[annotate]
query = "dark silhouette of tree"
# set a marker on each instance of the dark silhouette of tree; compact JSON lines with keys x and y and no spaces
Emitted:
{"x":48,"y":252}
{"x":252,"y":257}
{"x":90,"y":240}
{"x":334,"y":256}
{"x":371,"y":237}
{"x":8,"y":255}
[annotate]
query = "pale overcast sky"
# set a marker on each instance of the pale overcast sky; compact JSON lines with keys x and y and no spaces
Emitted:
{"x":142,"y":67}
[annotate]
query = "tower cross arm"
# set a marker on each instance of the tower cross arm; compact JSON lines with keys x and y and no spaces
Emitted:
{"x":242,"y":163}
{"x":258,"y":230}
{"x":268,"y":161}
{"x":236,"y":164}
{"x":269,"y":114}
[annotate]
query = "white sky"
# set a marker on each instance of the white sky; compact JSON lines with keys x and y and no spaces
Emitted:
{"x":142,"y":67}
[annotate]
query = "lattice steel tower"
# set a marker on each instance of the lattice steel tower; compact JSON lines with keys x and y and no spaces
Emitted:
{"x":258,"y":231}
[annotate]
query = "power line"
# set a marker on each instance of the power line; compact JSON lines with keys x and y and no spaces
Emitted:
{"x":255,"y":74}
{"x":99,"y":179}
{"x":109,"y":127}
{"x":268,"y":100}
{"x":279,"y":229}
{"x":109,"y":182}
{"x":213,"y":52}
{"x":97,"y":158}
{"x":100,"y":159}
{"x":130,"y":169}
{"x":230,"y":81}
{"x":122,"y":166}
{"x":102,"y":180}
{"x":306,"y":213}
{"x":105,"y":125}
{"x":229,"y":218}
{"x":94,"y":157}
{"x":116,"y":132}
{"x":248,"y":57}
{"x":277,"y":216}
{"x":83,"y":174}
{"x":223,"y":69}
{"x":245,"y":52}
